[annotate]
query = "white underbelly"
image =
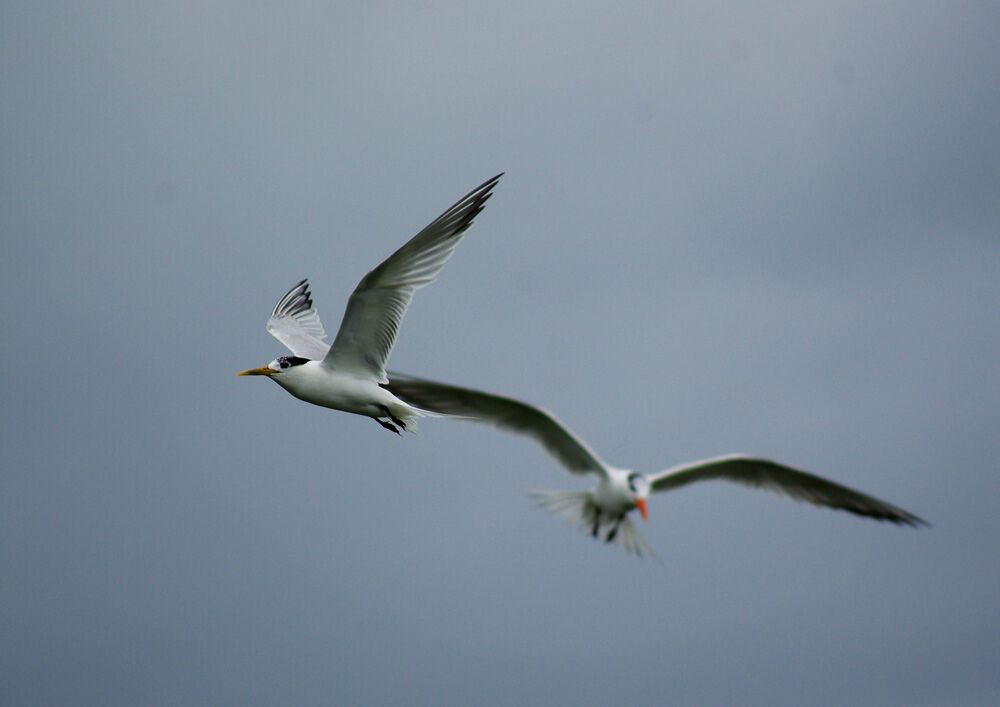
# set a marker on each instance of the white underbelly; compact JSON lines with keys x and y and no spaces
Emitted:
{"x":343,"y":393}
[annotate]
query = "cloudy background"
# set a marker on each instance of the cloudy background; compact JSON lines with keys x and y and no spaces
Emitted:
{"x":768,"y":228}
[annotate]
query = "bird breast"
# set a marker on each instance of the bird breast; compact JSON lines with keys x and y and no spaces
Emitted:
{"x":315,"y":384}
{"x":612,"y":496}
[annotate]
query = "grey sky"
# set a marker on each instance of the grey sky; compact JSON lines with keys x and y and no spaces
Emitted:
{"x":769,"y":228}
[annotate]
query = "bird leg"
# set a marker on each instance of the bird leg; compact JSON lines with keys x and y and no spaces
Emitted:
{"x":399,"y":423}
{"x":614,"y":530}
{"x":597,"y":524}
{"x":388,"y":425}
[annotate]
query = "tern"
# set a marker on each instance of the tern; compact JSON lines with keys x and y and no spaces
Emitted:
{"x":350,"y":374}
{"x":604,"y":509}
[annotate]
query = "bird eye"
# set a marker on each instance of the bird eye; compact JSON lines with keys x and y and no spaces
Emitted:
{"x":283,"y":362}
{"x":638,"y":484}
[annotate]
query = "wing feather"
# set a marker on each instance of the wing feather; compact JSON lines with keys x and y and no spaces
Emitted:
{"x":377,"y":305}
{"x":505,"y":413}
{"x":784,"y":480}
{"x":296,"y":323}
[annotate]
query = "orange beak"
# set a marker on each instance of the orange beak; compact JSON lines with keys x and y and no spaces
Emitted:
{"x":640,"y":503}
{"x":264,"y":371}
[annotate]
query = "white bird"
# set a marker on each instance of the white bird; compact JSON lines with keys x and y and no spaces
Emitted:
{"x":349,"y":375}
{"x":604,"y":509}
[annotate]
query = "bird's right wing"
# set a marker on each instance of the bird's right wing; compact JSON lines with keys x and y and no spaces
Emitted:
{"x":506,"y":413}
{"x":800,"y":485}
{"x":295,"y":323}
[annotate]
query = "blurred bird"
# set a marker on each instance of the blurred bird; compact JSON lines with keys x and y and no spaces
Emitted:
{"x":349,"y":375}
{"x":604,"y":510}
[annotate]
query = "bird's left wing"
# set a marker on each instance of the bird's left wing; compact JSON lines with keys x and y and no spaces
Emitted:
{"x":505,"y":413}
{"x":785,"y":480}
{"x":377,"y":305}
{"x":295,"y":323}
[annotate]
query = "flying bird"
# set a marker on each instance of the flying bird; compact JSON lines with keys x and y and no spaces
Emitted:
{"x":604,"y":509}
{"x":350,"y":375}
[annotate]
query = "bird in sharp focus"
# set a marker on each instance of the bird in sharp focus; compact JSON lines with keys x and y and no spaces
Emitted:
{"x":604,"y":510}
{"x":349,"y":375}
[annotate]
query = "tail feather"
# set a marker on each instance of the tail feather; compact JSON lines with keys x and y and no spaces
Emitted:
{"x":572,"y":506}
{"x":410,"y":416}
{"x":632,"y":541}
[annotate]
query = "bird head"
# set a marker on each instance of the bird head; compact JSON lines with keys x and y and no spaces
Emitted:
{"x":275,"y":367}
{"x":638,"y":486}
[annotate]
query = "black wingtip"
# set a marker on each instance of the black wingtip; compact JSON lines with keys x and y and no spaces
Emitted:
{"x":465,"y":210}
{"x":912,"y":521}
{"x":485,"y":190}
{"x":896,"y":516}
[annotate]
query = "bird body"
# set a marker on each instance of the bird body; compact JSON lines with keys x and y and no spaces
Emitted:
{"x":314,"y":383}
{"x":604,"y":509}
{"x":611,"y":494}
{"x":349,"y":374}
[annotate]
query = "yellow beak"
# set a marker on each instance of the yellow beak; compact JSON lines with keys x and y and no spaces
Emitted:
{"x":265,"y":371}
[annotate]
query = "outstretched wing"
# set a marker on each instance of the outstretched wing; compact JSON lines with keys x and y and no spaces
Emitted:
{"x":295,"y":323}
{"x":505,"y":413}
{"x":785,"y":480}
{"x":376,"y":308}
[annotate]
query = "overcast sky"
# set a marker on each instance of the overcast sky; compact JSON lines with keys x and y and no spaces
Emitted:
{"x":724,"y":227}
